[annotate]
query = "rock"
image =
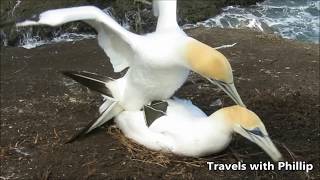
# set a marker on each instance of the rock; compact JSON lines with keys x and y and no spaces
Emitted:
{"x":137,"y":15}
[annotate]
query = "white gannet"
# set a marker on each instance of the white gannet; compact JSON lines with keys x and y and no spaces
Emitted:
{"x":188,"y":131}
{"x":158,"y":62}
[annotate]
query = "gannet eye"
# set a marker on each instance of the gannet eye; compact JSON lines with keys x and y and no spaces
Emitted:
{"x":256,"y":131}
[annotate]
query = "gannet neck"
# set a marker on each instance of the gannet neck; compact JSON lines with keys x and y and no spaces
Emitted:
{"x":208,"y":62}
{"x":220,"y":118}
{"x":167,"y":12}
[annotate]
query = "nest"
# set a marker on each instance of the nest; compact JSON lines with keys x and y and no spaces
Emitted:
{"x":140,"y":153}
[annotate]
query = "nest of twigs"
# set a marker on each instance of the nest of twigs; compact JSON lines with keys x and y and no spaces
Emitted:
{"x":140,"y":153}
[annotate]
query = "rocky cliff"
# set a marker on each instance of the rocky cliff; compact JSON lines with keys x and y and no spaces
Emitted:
{"x":136,"y":14}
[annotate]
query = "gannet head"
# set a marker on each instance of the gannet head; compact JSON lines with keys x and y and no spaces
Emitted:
{"x":212,"y":65}
{"x":250,"y":126}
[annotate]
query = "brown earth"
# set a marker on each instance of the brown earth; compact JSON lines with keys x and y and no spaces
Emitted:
{"x":40,"y":110}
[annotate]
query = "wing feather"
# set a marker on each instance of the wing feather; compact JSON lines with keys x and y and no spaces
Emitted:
{"x":117,"y":42}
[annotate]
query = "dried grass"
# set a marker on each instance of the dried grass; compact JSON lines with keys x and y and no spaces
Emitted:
{"x":142,"y":154}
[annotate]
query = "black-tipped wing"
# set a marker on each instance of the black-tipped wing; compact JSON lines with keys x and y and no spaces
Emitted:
{"x":155,"y":111}
{"x":118,"y":43}
{"x":91,"y":80}
{"x":109,"y":113}
{"x":18,"y":20}
{"x":82,"y":132}
{"x":7,"y":23}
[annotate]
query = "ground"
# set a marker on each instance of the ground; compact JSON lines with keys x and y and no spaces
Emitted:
{"x":40,"y":109}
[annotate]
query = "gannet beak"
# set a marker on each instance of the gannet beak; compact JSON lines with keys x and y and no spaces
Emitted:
{"x":230,"y":89}
{"x":262,"y":140}
{"x":267,"y":145}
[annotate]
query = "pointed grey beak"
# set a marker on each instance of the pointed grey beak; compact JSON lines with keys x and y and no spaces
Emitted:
{"x":263,"y":141}
{"x":230,"y":90}
{"x":267,"y":145}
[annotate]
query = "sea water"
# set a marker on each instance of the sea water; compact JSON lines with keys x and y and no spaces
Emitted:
{"x":291,"y":19}
{"x":28,"y":41}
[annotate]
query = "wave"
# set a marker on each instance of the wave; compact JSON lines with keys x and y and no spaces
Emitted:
{"x":294,"y":19}
{"x":30,"y":42}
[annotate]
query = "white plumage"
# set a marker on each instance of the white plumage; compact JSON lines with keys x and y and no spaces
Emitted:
{"x":158,"y":62}
{"x":186,"y":130}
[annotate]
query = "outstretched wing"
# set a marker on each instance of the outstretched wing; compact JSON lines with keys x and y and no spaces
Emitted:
{"x":117,"y":42}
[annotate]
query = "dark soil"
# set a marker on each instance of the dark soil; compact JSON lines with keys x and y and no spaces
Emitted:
{"x":41,"y":109}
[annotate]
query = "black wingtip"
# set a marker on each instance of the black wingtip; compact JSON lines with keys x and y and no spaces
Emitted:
{"x":93,"y":81}
{"x":74,"y":75}
{"x":81,"y":133}
{"x":74,"y":137}
{"x":35,"y":17}
{"x":77,"y":136}
{"x":4,"y":24}
{"x":69,"y":73}
{"x":155,"y":111}
{"x":84,"y":130}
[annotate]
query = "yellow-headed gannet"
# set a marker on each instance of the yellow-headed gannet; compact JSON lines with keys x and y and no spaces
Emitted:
{"x":186,"y":130}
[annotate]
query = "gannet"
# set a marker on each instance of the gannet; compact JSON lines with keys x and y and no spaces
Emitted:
{"x":186,"y":130}
{"x":158,"y":62}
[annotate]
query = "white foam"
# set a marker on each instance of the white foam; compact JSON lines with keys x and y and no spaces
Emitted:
{"x":291,"y":19}
{"x":30,"y":42}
